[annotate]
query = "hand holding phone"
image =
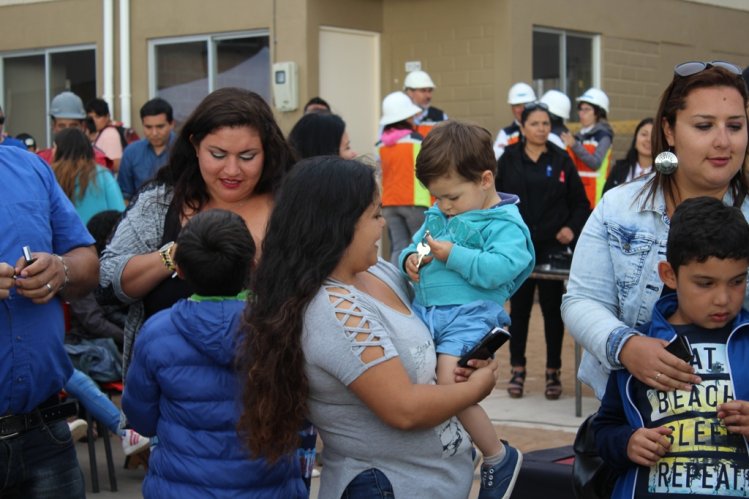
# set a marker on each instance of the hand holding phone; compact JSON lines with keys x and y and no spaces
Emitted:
{"x":486,"y":347}
{"x":681,"y":348}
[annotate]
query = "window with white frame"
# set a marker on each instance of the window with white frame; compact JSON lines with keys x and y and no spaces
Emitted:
{"x":566,"y":61}
{"x":184,"y":70}
{"x":30,"y":79}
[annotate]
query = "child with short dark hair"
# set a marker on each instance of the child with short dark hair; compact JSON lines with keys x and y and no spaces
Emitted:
{"x":481,"y":252}
{"x":691,"y":441}
{"x":182,"y":385}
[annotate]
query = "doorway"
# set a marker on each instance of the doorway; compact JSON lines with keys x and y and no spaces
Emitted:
{"x":350,"y":82}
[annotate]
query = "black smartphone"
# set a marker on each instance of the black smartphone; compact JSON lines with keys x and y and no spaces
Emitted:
{"x":681,"y":348}
{"x":27,"y":255}
{"x":486,"y":347}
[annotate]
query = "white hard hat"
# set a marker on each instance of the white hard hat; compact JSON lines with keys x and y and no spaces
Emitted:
{"x":67,"y":105}
{"x":559,"y":104}
{"x":595,"y":96}
{"x":396,"y":107}
{"x":418,"y":79}
{"x":520,"y":93}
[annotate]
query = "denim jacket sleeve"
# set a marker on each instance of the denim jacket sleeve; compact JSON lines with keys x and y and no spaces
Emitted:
{"x":614,"y":281}
{"x":590,"y":306}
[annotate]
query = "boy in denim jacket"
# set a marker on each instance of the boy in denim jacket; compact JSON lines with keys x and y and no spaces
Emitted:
{"x":481,"y":252}
{"x":691,"y":441}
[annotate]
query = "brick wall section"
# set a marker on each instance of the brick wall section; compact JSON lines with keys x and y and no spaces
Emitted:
{"x":459,"y":59}
{"x":633,"y":79}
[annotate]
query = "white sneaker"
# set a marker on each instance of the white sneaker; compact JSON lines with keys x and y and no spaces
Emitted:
{"x":78,"y":429}
{"x":133,"y":442}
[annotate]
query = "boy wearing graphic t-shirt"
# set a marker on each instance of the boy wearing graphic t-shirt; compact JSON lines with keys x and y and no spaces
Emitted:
{"x":672,"y":443}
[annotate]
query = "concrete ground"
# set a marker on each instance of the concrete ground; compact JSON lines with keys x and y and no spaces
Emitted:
{"x":530,"y":423}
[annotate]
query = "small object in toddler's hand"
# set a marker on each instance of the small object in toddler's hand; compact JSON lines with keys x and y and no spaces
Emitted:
{"x":422,"y":249}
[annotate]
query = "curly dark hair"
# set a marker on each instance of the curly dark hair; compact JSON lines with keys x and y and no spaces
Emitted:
{"x":313,"y":223}
{"x":226,"y":107}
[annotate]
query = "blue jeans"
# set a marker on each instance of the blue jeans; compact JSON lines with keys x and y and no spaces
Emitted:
{"x":41,"y":464}
{"x":83,"y":388}
{"x":369,"y":484}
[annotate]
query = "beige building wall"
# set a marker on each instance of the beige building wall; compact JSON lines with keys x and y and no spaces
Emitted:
{"x":49,"y":24}
{"x":293,"y":26}
{"x":461,"y":46}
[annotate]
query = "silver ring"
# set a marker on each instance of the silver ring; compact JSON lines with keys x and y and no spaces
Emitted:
{"x":49,"y":287}
{"x":657,"y":375}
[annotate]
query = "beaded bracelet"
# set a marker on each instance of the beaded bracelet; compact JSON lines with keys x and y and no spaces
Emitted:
{"x":65,"y":269}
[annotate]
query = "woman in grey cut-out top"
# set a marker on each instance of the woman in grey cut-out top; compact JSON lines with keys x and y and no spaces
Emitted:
{"x":330,"y":335}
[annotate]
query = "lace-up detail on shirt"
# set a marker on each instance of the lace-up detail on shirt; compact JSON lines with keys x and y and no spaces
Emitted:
{"x":358,"y":326}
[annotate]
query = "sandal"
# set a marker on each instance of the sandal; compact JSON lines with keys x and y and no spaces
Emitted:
{"x":516,"y":383}
{"x":553,"y":385}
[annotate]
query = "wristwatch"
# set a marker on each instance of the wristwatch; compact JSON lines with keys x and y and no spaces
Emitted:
{"x":166,"y":256}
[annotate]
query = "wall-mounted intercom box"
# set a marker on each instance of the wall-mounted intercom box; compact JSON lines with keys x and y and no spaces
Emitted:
{"x":285,"y":86}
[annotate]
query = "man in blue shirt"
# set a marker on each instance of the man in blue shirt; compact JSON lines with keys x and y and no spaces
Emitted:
{"x":143,"y":158}
{"x":36,"y":450}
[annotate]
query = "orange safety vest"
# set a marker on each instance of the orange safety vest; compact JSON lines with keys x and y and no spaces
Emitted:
{"x":425,"y":128}
{"x":593,"y":180}
{"x":400,"y":187}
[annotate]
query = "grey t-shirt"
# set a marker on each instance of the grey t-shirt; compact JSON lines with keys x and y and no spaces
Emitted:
{"x":434,"y":463}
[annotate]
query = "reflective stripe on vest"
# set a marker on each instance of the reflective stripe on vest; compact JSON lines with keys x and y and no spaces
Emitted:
{"x":400,"y":187}
{"x":593,"y":180}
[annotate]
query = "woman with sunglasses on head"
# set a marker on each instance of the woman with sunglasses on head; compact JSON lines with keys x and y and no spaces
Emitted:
{"x":590,"y":148}
{"x":700,"y":147}
{"x":554,"y":207}
{"x":639,"y":159}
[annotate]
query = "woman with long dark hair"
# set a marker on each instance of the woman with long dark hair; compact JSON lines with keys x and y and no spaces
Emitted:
{"x":229,"y":154}
{"x":639,"y":158}
{"x":91,"y":188}
{"x":330,"y":334}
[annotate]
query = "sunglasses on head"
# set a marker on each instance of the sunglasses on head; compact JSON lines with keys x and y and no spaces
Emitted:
{"x":536,"y":105}
{"x":693,"y":67}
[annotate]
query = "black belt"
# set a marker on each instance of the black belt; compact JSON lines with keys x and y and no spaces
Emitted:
{"x":20,"y":423}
